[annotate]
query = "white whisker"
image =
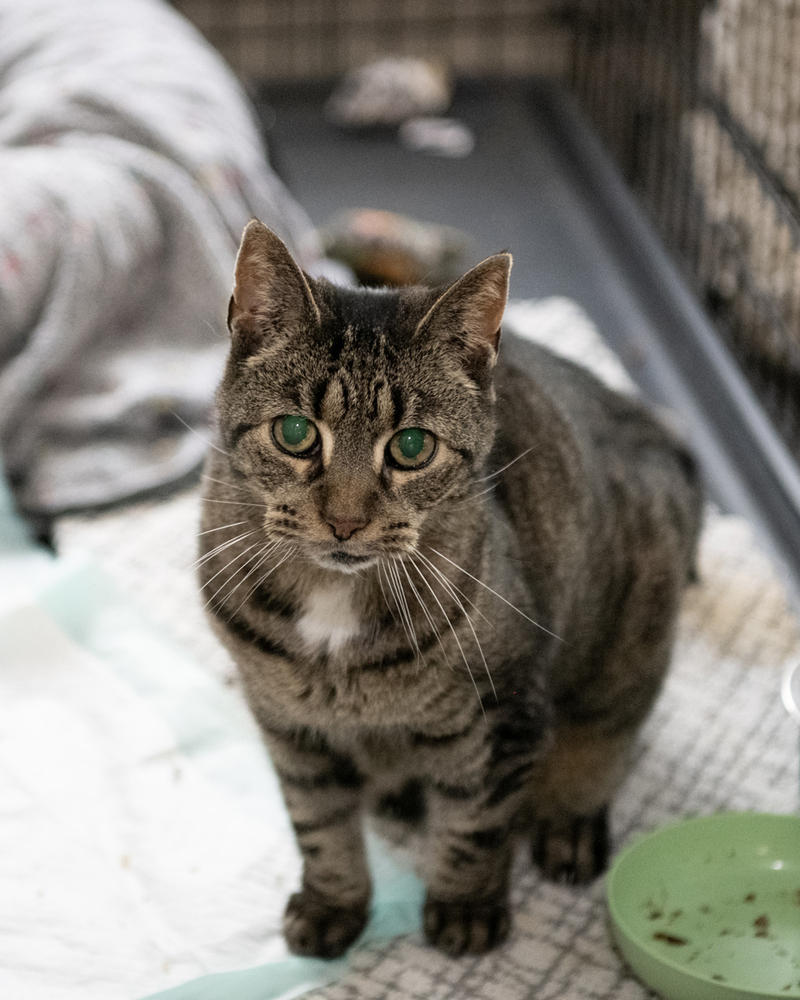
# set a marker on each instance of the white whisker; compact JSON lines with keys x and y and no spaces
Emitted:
{"x":506,"y":466}
{"x":231,"y":486}
{"x":425,"y":611}
{"x":397,"y":602}
{"x":258,"y":583}
{"x":235,"y":503}
{"x":408,"y":611}
{"x":405,"y":611}
{"x":475,"y":496}
{"x":453,"y":586}
{"x":227,"y":566}
{"x":261,"y":557}
{"x":455,"y":636}
{"x":395,"y":598}
{"x":198,"y":434}
{"x":499,"y":596}
{"x":221,"y":548}
{"x":383,"y":591}
{"x":222,"y":527}
{"x":449,"y":588}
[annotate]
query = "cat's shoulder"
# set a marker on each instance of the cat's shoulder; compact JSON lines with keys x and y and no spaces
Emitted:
{"x":530,"y":373}
{"x":545,"y":399}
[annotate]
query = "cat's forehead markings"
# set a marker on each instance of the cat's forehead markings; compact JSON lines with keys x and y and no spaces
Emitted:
{"x":327,"y":442}
{"x":335,"y":400}
{"x":264,"y":355}
{"x":386,"y":401}
{"x":379,"y":451}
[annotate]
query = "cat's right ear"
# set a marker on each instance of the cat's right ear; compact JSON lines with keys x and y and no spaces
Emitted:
{"x":270,"y":292}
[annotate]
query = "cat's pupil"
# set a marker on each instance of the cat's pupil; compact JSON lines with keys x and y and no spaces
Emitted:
{"x":294,"y":429}
{"x":411,"y":442}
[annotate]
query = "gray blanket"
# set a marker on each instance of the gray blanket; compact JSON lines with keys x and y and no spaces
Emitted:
{"x":129,"y":164}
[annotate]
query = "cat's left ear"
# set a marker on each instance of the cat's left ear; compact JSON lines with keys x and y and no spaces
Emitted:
{"x":470,"y":312}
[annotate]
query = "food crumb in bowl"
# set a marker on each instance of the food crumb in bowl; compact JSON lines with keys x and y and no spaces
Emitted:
{"x":719,"y":978}
{"x":750,"y":897}
{"x":656,"y":914}
{"x":672,"y":939}
{"x":761,"y":925}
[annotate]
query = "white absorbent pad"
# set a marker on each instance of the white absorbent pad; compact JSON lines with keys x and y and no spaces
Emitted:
{"x":143,"y":840}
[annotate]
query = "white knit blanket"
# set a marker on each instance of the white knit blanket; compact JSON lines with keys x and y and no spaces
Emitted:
{"x":129,"y":164}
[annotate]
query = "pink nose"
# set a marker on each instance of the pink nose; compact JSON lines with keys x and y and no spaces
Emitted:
{"x":346,"y":527}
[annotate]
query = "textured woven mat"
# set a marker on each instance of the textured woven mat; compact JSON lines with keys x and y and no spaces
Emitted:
{"x":718,"y":738}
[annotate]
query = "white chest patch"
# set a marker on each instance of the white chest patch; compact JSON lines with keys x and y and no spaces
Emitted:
{"x":330,"y":619}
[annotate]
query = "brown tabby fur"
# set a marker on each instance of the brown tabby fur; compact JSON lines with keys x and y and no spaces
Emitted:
{"x":384,"y":620}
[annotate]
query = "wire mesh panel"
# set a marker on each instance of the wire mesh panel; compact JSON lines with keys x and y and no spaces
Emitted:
{"x":700,"y":105}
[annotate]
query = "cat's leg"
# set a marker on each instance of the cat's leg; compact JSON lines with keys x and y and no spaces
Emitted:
{"x":594,"y":735}
{"x":570,"y":841}
{"x":322,"y":790}
{"x":472,"y":808}
{"x":466,"y":908}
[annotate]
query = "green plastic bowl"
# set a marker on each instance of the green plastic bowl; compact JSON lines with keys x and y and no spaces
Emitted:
{"x":709,"y":909}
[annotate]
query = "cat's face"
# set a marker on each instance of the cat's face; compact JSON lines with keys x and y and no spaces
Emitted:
{"x":357,"y":416}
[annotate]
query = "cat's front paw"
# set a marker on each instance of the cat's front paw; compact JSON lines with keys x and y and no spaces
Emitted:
{"x":314,"y":927}
{"x":572,"y":850}
{"x":465,"y":928}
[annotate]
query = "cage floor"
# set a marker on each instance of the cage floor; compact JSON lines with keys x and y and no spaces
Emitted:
{"x":718,"y":739}
{"x":539,"y":184}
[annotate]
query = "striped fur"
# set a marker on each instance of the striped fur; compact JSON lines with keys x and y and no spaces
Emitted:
{"x":477,"y":655}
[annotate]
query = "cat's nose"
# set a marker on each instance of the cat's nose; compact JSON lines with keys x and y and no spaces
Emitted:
{"x":346,"y":527}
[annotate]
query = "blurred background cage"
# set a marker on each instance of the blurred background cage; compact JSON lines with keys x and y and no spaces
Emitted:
{"x":697,"y":102}
{"x":700,"y":106}
{"x":301,"y":40}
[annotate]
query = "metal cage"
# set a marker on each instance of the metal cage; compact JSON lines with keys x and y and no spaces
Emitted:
{"x":700,"y":105}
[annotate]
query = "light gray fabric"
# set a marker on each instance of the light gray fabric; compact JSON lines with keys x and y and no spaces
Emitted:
{"x":129,"y":164}
{"x":719,"y":739}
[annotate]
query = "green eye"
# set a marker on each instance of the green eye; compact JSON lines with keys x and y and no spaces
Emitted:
{"x":412,"y":448}
{"x":294,"y":434}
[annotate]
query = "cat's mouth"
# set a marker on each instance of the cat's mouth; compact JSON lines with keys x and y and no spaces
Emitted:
{"x":346,"y":559}
{"x":347,"y":562}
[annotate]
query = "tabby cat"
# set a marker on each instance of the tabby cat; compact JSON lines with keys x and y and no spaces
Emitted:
{"x":450,"y":583}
